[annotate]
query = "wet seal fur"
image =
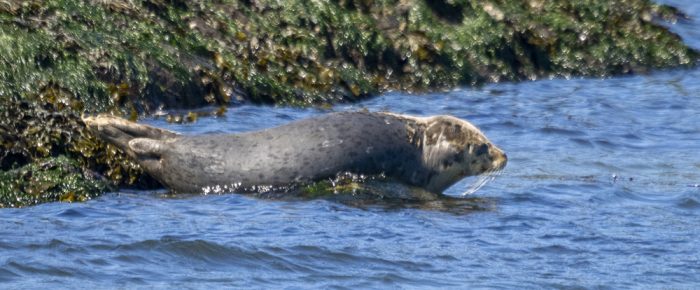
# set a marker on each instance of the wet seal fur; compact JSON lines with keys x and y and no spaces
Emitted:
{"x":429,"y":152}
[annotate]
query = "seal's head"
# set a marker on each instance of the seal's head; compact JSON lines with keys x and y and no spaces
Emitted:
{"x":453,"y":149}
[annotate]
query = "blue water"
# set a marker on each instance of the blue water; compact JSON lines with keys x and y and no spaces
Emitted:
{"x":602,"y":190}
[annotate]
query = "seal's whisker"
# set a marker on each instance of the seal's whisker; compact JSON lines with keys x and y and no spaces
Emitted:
{"x":480,"y":182}
{"x":483,"y":179}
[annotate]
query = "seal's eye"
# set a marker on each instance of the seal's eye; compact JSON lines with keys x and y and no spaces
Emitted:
{"x":483,"y":149}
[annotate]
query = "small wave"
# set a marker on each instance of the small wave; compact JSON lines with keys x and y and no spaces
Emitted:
{"x":73,"y":213}
{"x":689,"y":203}
{"x":561,"y":131}
{"x":7,"y":275}
{"x":23,"y":267}
{"x":346,"y":257}
{"x":55,"y":245}
{"x":556,"y":249}
{"x":207,"y":254}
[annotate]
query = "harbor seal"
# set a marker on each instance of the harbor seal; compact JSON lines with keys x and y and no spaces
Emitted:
{"x":429,"y":152}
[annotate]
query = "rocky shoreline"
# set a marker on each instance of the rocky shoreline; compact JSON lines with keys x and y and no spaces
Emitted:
{"x":60,"y":59}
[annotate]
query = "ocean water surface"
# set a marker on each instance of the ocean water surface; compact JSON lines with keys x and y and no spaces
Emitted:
{"x":602,"y":190}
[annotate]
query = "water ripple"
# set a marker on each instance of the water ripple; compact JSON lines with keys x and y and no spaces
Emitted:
{"x":601,"y":191}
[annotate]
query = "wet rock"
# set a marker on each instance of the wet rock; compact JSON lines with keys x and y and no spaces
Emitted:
{"x":46,"y":154}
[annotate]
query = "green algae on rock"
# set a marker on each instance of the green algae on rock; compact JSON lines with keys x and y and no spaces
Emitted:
{"x":44,"y":141}
{"x":63,"y":58}
{"x":49,"y":179}
{"x":140,"y":55}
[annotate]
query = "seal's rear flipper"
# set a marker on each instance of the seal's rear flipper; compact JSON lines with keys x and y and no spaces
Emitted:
{"x":135,"y":130}
{"x":137,"y":140}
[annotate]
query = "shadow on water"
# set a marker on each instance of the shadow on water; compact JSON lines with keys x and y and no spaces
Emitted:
{"x":367,"y":195}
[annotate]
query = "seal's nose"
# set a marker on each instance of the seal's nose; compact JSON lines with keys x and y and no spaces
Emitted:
{"x":499,"y":158}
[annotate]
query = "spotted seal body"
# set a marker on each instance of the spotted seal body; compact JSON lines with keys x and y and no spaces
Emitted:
{"x":432,"y":152}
